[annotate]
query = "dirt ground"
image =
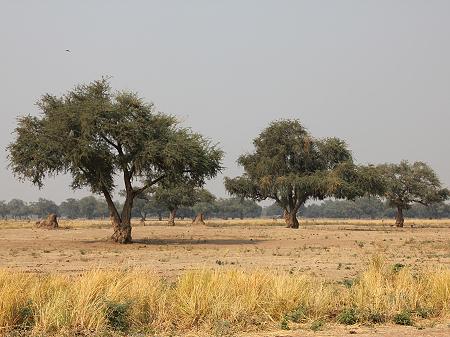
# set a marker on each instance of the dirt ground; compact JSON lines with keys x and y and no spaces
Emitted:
{"x":440,"y":330}
{"x":333,"y":251}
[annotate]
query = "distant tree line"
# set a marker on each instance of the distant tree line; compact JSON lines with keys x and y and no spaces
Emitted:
{"x":363,"y":208}
{"x":224,"y":208}
{"x":94,"y":208}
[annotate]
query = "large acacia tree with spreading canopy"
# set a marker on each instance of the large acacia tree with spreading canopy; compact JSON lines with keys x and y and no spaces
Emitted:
{"x":290,"y":166}
{"x":98,"y":136}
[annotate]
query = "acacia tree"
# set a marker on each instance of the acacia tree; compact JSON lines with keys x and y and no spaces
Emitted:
{"x":177,"y":194}
{"x":204,"y":202}
{"x":406,"y":184}
{"x":290,"y":167}
{"x":96,"y":135}
{"x":146,"y":204}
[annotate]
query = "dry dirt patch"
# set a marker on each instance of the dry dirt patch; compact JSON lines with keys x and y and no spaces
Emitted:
{"x":332,"y":250}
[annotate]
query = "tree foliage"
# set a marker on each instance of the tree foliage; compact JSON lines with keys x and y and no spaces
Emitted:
{"x":174,"y":195}
{"x":96,"y":135}
{"x":406,"y":184}
{"x":236,"y":207}
{"x":290,"y":167}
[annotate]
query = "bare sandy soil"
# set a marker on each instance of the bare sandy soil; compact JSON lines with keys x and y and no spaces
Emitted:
{"x":329,"y":251}
{"x":332,"y":251}
{"x":383,"y":331}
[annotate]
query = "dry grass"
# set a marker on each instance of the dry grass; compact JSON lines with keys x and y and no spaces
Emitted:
{"x":218,"y":302}
{"x":103,"y":223}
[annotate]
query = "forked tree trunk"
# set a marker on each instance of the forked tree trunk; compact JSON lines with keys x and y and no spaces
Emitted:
{"x":172,"y":216}
{"x":199,"y":219}
{"x":291,"y":219}
{"x":121,"y":222}
{"x":399,"y":219}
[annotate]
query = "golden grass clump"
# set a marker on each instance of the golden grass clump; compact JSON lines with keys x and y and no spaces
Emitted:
{"x":101,"y":301}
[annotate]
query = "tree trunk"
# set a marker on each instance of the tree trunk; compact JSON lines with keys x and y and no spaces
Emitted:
{"x":122,"y":232}
{"x":143,"y":218}
{"x":159,"y":216}
{"x":399,"y":219}
{"x":121,"y":223}
{"x":291,"y":219}
{"x":172,"y":216}
{"x":199,"y":219}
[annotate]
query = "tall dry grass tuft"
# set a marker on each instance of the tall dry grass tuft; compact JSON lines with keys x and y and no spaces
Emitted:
{"x":138,"y":300}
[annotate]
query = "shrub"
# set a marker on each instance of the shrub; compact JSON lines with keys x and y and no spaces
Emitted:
{"x":117,"y":315}
{"x":317,"y":325}
{"x":397,"y":267}
{"x":376,"y":317}
{"x":424,"y":312}
{"x":403,"y":318}
{"x":348,"y":283}
{"x":297,"y":316}
{"x":284,"y":325}
{"x":26,"y":315}
{"x":348,"y":316}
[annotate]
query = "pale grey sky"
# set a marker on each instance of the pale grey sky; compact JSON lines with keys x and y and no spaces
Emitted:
{"x":375,"y":73}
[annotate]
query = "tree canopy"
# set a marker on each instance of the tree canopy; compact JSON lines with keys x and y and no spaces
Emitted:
{"x":406,"y":184}
{"x":290,"y":166}
{"x":96,"y":135}
{"x":180,"y":194}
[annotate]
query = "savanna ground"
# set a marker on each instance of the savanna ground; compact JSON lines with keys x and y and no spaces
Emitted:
{"x":328,"y":250}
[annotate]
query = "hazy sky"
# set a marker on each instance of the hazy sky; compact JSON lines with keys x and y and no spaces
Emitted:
{"x":375,"y":73}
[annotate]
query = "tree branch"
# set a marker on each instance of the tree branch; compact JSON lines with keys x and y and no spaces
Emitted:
{"x":148,"y":185}
{"x":110,"y":142}
{"x":111,"y":206}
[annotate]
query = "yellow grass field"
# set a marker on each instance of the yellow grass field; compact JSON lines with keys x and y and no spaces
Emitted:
{"x":249,"y":277}
{"x":217,"y":301}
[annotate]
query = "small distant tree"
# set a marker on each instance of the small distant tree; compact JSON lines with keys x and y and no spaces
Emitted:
{"x":101,"y":208}
{"x":371,"y":207}
{"x":291,"y":167}
{"x":141,"y":208}
{"x":179,"y":194}
{"x":249,"y":209}
{"x":70,"y":208}
{"x":3,"y":209}
{"x":96,"y":135}
{"x":156,"y":207}
{"x":88,"y":207}
{"x":406,"y":184}
{"x":237,"y":207}
{"x":17,"y":208}
{"x":204,"y":202}
{"x":44,"y":207}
